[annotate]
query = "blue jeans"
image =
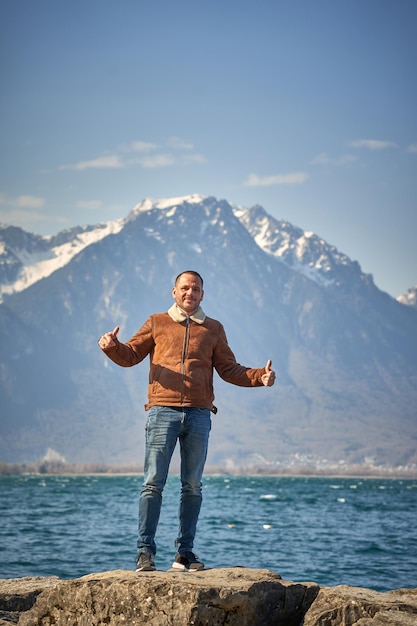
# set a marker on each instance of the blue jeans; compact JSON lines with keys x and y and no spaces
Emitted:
{"x":165,"y":425}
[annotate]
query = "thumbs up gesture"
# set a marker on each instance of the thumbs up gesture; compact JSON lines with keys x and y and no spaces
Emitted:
{"x":108,"y":340}
{"x":268,"y":378}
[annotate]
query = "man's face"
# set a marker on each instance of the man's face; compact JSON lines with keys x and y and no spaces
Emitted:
{"x":188,"y":293}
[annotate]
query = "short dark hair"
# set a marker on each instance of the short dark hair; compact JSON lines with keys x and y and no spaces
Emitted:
{"x":190,"y":272}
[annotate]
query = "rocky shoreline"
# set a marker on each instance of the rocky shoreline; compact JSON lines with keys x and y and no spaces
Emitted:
{"x":234,"y":596}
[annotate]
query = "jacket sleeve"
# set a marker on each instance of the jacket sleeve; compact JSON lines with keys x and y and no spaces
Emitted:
{"x":136,"y":349}
{"x":228,"y":369}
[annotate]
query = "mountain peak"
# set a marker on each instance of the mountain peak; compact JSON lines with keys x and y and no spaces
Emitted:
{"x":303,"y":251}
{"x":165,"y":203}
{"x":27,"y":258}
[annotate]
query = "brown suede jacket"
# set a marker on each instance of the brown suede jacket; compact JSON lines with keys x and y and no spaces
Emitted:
{"x":183,"y":352}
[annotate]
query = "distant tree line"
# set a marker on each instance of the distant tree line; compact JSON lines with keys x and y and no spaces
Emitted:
{"x":58,"y":468}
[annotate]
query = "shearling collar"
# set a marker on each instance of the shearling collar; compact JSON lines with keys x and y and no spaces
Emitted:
{"x":176,"y":314}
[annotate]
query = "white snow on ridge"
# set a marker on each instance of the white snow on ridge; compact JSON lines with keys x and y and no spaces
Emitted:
{"x":42,"y":264}
{"x":166,"y":203}
{"x":300,"y":250}
{"x":409,"y":298}
{"x":39,"y":265}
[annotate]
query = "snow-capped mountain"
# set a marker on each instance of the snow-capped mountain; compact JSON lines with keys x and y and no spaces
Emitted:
{"x":301,"y":250}
{"x":26,"y":258}
{"x":344,"y":352}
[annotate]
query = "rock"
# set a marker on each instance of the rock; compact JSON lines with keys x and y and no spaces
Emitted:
{"x":234,"y":596}
{"x":356,"y":606}
{"x":18,"y":595}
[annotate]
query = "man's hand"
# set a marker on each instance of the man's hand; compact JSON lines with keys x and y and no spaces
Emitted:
{"x":268,"y":378}
{"x":108,"y":340}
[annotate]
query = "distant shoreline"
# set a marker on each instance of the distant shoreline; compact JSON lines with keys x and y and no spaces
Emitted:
{"x":47,"y":468}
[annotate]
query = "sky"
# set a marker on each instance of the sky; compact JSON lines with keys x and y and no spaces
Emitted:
{"x":306,"y":107}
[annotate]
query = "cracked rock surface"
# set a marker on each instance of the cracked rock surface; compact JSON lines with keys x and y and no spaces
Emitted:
{"x":234,"y":596}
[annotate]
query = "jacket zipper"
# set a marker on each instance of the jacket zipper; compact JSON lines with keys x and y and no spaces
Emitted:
{"x":184,"y":355}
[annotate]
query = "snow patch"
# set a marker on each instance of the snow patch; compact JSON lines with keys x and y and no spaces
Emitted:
{"x":166,"y":203}
{"x":409,"y":298}
{"x":42,"y":264}
{"x":301,"y":250}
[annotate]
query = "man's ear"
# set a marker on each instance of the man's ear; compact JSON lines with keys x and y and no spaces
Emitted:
{"x":202,"y":294}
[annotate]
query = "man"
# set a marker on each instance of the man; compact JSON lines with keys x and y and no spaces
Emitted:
{"x":184,"y":345}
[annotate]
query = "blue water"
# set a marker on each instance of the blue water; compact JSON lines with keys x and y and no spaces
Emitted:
{"x":332,"y":531}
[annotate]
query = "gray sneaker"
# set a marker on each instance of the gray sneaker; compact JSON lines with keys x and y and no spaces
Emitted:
{"x":187,"y":562}
{"x":145,"y":562}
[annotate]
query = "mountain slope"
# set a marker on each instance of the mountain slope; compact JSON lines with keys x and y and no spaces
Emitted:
{"x":26,"y":258}
{"x":344,"y":352}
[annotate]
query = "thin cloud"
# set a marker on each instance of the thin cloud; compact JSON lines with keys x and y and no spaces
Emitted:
{"x":104,"y":162}
{"x":24,"y":211}
{"x":372,"y":144}
{"x":139,"y":146}
{"x":89,"y":204}
{"x":293,"y":178}
{"x":412,"y":148}
{"x":22,"y":202}
{"x":28,"y":219}
{"x":324,"y":159}
{"x":321,"y":159}
{"x":19,"y":217}
{"x":142,"y":153}
{"x":166,"y":160}
{"x":187,"y":159}
{"x":180,"y":144}
{"x":158,"y":160}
